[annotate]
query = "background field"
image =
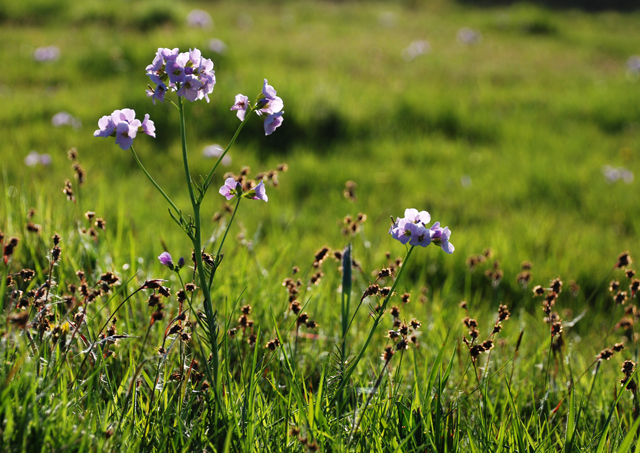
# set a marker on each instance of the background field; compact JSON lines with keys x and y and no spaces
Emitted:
{"x":503,"y":140}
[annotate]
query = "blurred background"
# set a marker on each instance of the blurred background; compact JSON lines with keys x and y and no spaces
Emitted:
{"x":515,"y":124}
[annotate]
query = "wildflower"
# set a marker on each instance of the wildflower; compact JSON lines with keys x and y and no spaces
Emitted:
{"x":166,"y":260}
{"x":416,"y":217}
{"x":199,"y":19}
{"x":230,"y":188}
{"x":259,"y":192}
{"x":124,"y":125}
{"x":269,"y":103}
{"x":624,"y":259}
{"x":272,"y":122}
{"x":440,"y":236}
{"x":241,"y":106}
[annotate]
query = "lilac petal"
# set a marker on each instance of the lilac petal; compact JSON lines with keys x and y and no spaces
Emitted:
{"x":261,"y":193}
{"x":165,"y":259}
{"x":123,"y":136}
{"x":268,"y":91}
{"x":106,"y":127}
{"x":273,"y":122}
{"x":227,"y":188}
{"x":417,"y":217}
{"x":128,"y":114}
{"x":148,"y":127}
{"x":241,"y":105}
{"x":420,"y":236}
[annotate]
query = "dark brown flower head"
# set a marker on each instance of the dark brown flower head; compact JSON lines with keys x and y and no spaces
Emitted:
{"x":618,"y":347}
{"x":181,"y":295}
{"x":175,"y":329}
{"x":362,"y":217}
{"x":523,"y":278}
{"x":68,"y":191}
{"x":614,"y":286}
{"x":321,"y":254}
{"x":402,"y":344}
{"x":387,"y":354}
{"x":406,"y":298}
{"x":295,"y":307}
{"x":395,"y":311}
{"x":243,"y":321}
{"x":303,"y":318}
{"x":311,"y":324}
{"x":153,"y":300}
{"x":556,"y":328}
{"x":109,"y":277}
{"x":384,"y":292}
{"x":403,"y":329}
{"x":503,"y":313}
{"x":538,"y":291}
{"x":27,"y":274}
{"x":152,"y":284}
{"x":624,"y":259}
{"x":463,"y":304}
{"x":487,"y":253}
{"x":101,"y":223}
{"x":316,"y":278}
{"x":393,"y":334}
{"x":556,"y":285}
{"x":526,"y":265}
{"x":470,"y":322}
{"x":384,"y":273}
{"x":246,"y":309}
{"x":487,"y":345}
{"x":72,"y":154}
{"x":497,"y":328}
{"x":475,"y":351}
{"x":551,"y":298}
{"x":33,"y":228}
{"x":79,"y":173}
{"x":190,"y":287}
{"x":635,"y":285}
{"x":232,"y":332}
{"x":273,"y":344}
{"x":396,"y":321}
{"x":628,"y":367}
{"x":295,"y":270}
{"x":157,"y":316}
{"x":350,"y":191}
{"x":415,"y":324}
{"x":472,"y":262}
{"x":625,"y":323}
{"x":630,"y":273}
{"x":620,"y":297}
{"x":166,"y":292}
{"x":282,"y":167}
{"x":605,"y":354}
{"x":372,"y":290}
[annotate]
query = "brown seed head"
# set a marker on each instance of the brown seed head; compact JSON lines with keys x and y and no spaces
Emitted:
{"x":630,"y":273}
{"x":538,"y":291}
{"x":624,"y":259}
{"x":614,"y":286}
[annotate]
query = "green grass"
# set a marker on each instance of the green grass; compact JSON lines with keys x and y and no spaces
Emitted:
{"x":530,"y":116}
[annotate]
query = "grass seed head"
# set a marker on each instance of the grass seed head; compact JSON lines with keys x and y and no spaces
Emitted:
{"x":624,"y":260}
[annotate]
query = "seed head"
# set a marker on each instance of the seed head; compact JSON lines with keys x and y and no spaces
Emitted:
{"x":538,"y":291}
{"x":624,"y":259}
{"x":614,"y":286}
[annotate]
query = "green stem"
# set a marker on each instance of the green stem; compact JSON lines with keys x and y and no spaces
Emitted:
{"x":166,"y":197}
{"x":215,"y":267}
{"x":233,"y":139}
{"x":197,"y":246}
{"x":377,"y":321}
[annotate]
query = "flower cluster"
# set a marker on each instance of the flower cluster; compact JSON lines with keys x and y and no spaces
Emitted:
{"x":188,"y":73}
{"x":124,"y":126}
{"x":268,"y":103}
{"x":413,"y":229}
{"x":232,"y":188}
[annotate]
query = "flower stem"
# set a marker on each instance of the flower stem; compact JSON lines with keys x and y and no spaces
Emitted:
{"x":166,"y":197}
{"x":197,"y":246}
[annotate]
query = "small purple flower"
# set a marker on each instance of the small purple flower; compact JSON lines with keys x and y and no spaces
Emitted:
{"x":44,"y":54}
{"x":160,"y":90}
{"x":199,"y":18}
{"x":124,"y":126}
{"x":229,"y":189}
{"x":402,"y":230}
{"x":417,"y":217}
{"x":440,"y":236}
{"x":269,"y":103}
{"x":107,"y":127}
{"x":420,"y":235}
{"x":261,"y":193}
{"x":181,"y":262}
{"x":166,"y":260}
{"x":148,"y":127}
{"x":241,"y":105}
{"x":272,"y":122}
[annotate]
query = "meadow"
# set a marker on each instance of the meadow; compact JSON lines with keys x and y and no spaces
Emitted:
{"x":518,"y":127}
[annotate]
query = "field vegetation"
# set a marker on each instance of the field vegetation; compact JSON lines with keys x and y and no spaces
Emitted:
{"x":518,"y":127}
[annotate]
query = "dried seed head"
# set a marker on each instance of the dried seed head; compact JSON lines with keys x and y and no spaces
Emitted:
{"x":372,"y":290}
{"x":618,"y":347}
{"x":556,"y":285}
{"x":463,"y":304}
{"x":503,"y":313}
{"x":72,"y":154}
{"x":295,"y":270}
{"x":605,"y":354}
{"x":246,"y":309}
{"x":635,"y":285}
{"x":68,"y":191}
{"x":232,"y":332}
{"x":393,"y":334}
{"x":523,"y":278}
{"x":311,"y":324}
{"x":556,"y":328}
{"x":181,"y":295}
{"x":387,"y":354}
{"x":470,"y":322}
{"x":384,"y":273}
{"x":350,"y":191}
{"x":166,"y":292}
{"x":526,"y":265}
{"x":538,"y":291}
{"x":628,"y":367}
{"x":405,"y":298}
{"x":295,"y":307}
{"x":190,"y":287}
{"x":614,"y":286}
{"x":384,"y":292}
{"x":487,"y":345}
{"x":620,"y":297}
{"x":27,"y":274}
{"x":101,"y":223}
{"x":630,"y":273}
{"x":415,"y":324}
{"x":395,"y":311}
{"x":321,"y":254}
{"x":624,"y":259}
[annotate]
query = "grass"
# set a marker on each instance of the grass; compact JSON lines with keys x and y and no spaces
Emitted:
{"x":504,"y":141}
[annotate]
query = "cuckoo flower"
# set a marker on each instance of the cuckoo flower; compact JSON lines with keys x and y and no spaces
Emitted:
{"x":272,"y":122}
{"x":414,"y":216}
{"x":124,"y":126}
{"x":269,"y":103}
{"x":230,"y":189}
{"x":440,"y":236}
{"x":241,"y":105}
{"x":166,"y":260}
{"x":259,"y":192}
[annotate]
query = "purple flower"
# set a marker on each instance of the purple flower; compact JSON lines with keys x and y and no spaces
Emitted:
{"x":420,"y":235}
{"x":269,"y":103}
{"x":260,"y":192}
{"x":166,"y":260}
{"x":440,"y":236}
{"x":43,"y":54}
{"x":187,"y":73}
{"x":417,"y":217}
{"x":181,"y":262}
{"x":230,"y":189}
{"x":124,"y":126}
{"x":272,"y":122}
{"x":148,"y":127}
{"x":199,"y":18}
{"x":241,"y":105}
{"x":402,"y":230}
